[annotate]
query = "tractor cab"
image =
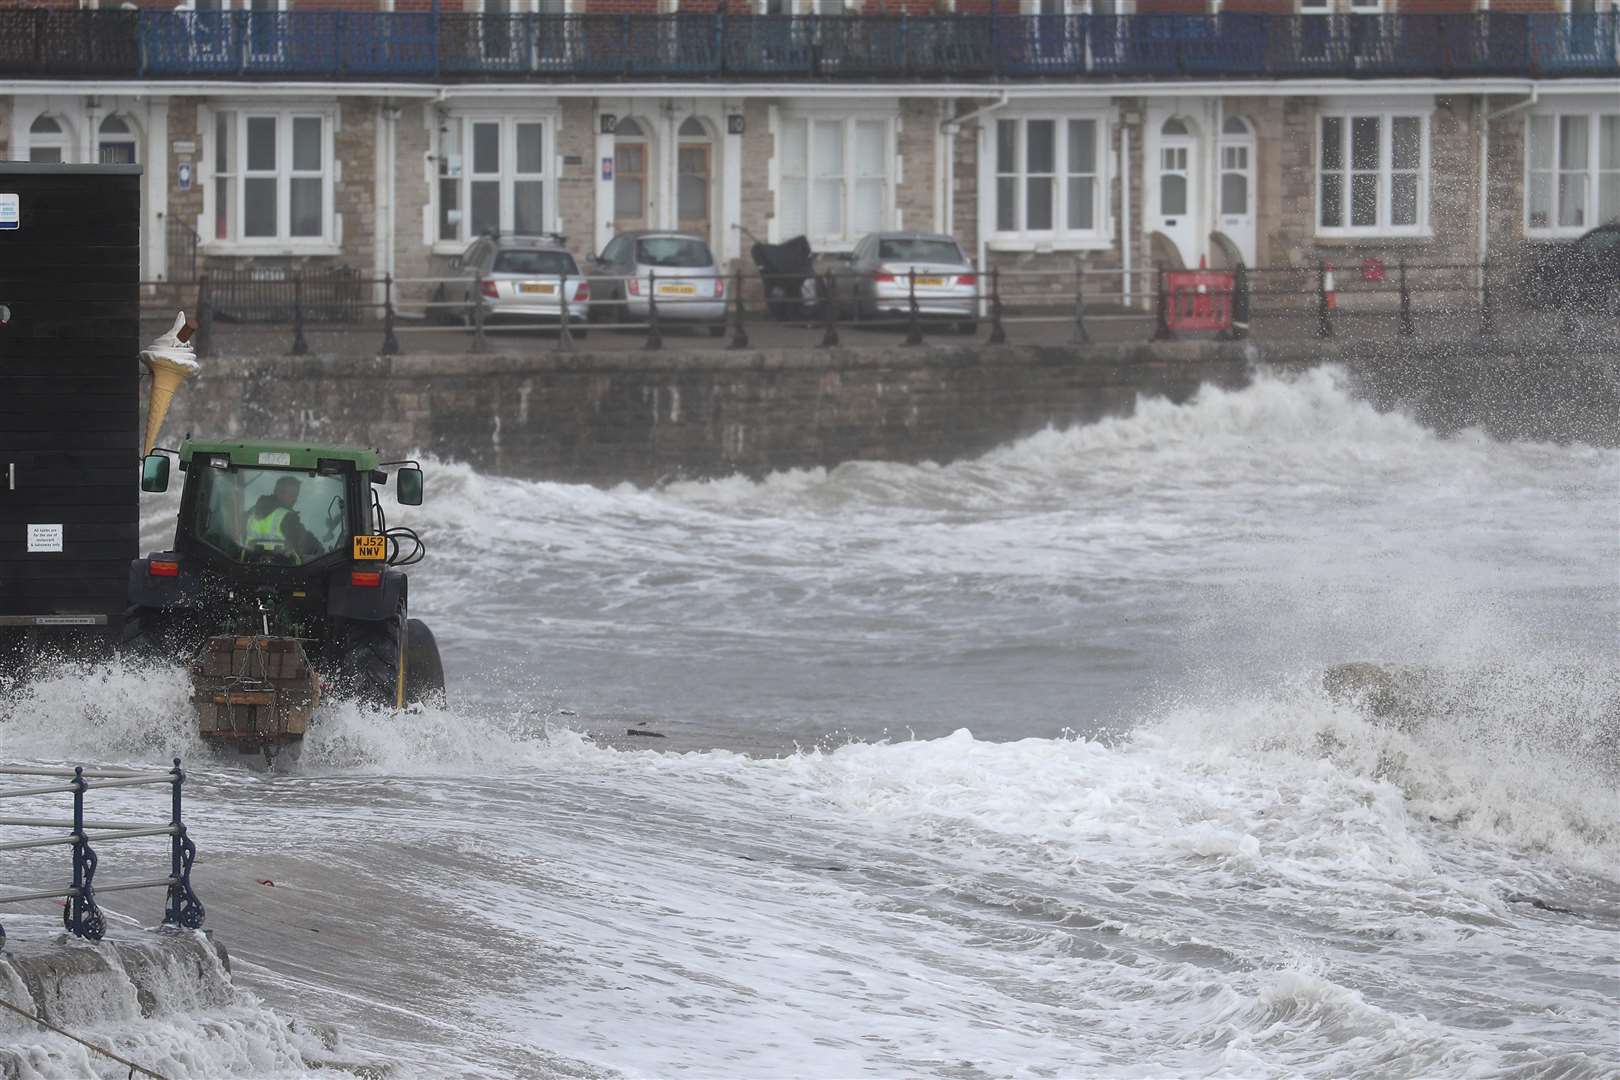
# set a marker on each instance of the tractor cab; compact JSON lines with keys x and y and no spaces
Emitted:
{"x":283,"y":567}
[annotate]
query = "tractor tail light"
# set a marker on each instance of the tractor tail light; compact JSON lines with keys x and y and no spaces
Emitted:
{"x":163,"y":568}
{"x":365,"y":579}
{"x":487,"y":287}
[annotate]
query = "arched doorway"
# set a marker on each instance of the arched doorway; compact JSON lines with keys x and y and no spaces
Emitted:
{"x":116,"y":141}
{"x":48,"y":139}
{"x":1176,"y":202}
{"x":1235,"y":188}
{"x":694,"y":178}
{"x":632,"y":174}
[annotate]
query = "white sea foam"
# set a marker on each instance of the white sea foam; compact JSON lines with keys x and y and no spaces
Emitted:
{"x":1130,"y":835}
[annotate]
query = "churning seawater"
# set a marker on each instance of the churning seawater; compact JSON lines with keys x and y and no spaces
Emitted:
{"x":1019,"y":766}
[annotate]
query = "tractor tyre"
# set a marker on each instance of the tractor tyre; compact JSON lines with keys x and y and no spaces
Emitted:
{"x":424,"y":671}
{"x":372,"y":660}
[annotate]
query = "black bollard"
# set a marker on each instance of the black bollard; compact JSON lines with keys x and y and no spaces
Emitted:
{"x":1405,"y":329}
{"x":655,"y":340}
{"x":1324,"y":323}
{"x":1162,"y":331}
{"x":390,"y":341}
{"x":913,"y":324}
{"x":998,"y":333}
{"x":1081,"y":335}
{"x":739,"y":332}
{"x":300,"y":347}
{"x":1487,"y":320}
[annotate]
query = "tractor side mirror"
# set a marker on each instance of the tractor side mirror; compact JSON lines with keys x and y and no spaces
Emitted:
{"x":408,"y":487}
{"x":155,"y":472}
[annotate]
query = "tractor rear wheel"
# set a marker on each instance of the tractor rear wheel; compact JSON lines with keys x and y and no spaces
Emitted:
{"x":372,"y":659}
{"x":424,"y":671}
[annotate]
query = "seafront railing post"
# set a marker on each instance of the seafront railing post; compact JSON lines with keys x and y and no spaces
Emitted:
{"x":655,"y":340}
{"x":1324,"y":322}
{"x":565,"y":337}
{"x":739,"y":328}
{"x":478,"y":343}
{"x":1162,"y":331}
{"x":390,"y":341}
{"x":300,"y":347}
{"x":81,"y":915}
{"x":913,"y":323}
{"x":829,"y":313}
{"x":1406,"y":328}
{"x":998,"y":332}
{"x":182,"y":907}
{"x":1081,"y":335}
{"x":1487,"y":318}
{"x":204,"y":339}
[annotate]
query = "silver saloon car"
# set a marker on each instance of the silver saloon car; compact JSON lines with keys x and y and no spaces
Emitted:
{"x":878,"y":283}
{"x":520,"y":278}
{"x":677,"y":267}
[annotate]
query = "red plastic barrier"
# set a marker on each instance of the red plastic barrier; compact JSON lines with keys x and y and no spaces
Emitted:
{"x":1199,"y":300}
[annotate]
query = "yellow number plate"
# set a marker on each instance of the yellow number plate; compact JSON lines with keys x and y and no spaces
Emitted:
{"x":677,"y":290}
{"x":934,"y":281}
{"x":370,"y":547}
{"x":544,"y":288}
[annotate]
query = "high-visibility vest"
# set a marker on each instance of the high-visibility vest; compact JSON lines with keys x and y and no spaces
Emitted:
{"x":265,"y":532}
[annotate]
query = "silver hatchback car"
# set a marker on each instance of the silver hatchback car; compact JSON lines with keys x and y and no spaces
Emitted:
{"x":679,"y":266}
{"x":877,"y":284}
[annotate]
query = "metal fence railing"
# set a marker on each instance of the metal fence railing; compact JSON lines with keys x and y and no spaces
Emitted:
{"x":81,"y":915}
{"x":995,"y":303}
{"x":451,"y":45}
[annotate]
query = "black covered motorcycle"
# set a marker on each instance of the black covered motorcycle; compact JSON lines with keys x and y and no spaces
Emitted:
{"x":789,"y":273}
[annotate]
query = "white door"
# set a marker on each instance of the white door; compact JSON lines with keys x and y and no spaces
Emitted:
{"x":1176,"y":187}
{"x":1235,"y":187}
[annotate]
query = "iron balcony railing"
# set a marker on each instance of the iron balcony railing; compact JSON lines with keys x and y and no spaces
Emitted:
{"x":460,"y":47}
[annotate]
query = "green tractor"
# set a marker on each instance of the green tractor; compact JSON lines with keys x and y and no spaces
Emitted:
{"x":284,"y":585}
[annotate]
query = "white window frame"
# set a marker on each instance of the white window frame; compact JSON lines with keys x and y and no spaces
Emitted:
{"x":283,"y":243}
{"x":1061,"y":237}
{"x":64,"y":139}
{"x":1386,"y":118}
{"x":548,"y":119}
{"x":846,"y":240}
{"x":1593,"y":115}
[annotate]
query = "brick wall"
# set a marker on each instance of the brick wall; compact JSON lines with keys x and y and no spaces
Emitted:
{"x":412,"y":194}
{"x":187,"y":206}
{"x":576,"y":184}
{"x":914,"y":196}
{"x":356,"y":197}
{"x":758,"y":200}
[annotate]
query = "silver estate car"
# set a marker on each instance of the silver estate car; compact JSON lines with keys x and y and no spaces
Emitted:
{"x":877,"y":283}
{"x":680,"y":266}
{"x":523,"y":278}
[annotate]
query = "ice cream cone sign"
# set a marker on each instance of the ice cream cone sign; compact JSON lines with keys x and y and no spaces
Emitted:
{"x":170,"y":358}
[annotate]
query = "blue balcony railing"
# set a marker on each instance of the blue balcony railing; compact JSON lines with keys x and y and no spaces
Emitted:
{"x":459,"y":47}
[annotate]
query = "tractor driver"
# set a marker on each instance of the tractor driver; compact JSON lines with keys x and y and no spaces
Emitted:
{"x":274,"y":526}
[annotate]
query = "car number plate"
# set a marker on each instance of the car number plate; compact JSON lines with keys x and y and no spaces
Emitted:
{"x":543,"y":288}
{"x":677,"y":290}
{"x":370,"y":547}
{"x":930,"y":281}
